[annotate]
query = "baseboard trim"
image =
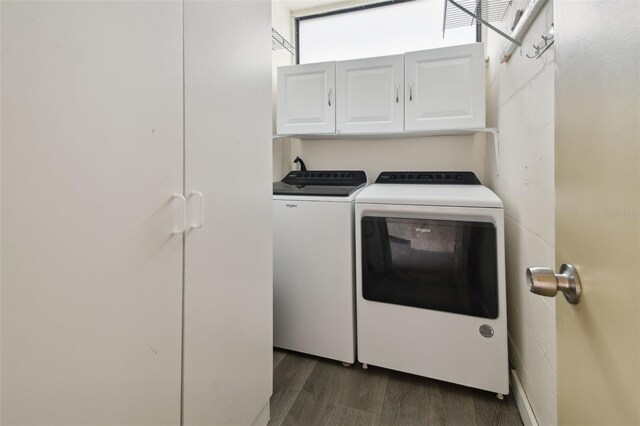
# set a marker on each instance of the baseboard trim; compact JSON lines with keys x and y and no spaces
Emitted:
{"x":524,"y":408}
{"x":263,"y":417}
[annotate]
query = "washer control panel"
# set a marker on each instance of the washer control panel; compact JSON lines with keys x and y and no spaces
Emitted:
{"x":326,"y":177}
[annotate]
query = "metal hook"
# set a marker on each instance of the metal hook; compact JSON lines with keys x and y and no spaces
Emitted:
{"x":540,"y":48}
{"x":535,"y":55}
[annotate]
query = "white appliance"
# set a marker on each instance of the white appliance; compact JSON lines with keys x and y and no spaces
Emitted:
{"x":313,"y":261}
{"x":430,"y":278}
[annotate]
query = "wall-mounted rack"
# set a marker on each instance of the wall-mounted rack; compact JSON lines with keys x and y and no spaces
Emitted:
{"x":541,"y":47}
{"x":528,"y":16}
{"x":460,"y":13}
{"x":279,"y":42}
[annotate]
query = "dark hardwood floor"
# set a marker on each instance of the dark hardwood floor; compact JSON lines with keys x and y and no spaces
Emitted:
{"x":310,"y":391}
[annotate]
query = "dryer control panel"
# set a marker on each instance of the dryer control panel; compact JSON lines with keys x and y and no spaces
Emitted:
{"x":425,"y":177}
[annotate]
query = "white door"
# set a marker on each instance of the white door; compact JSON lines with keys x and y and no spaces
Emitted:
{"x":91,"y":154}
{"x":306,"y":99}
{"x":445,"y":88}
{"x":228,"y":262}
{"x":597,"y":110}
{"x":370,"y":95}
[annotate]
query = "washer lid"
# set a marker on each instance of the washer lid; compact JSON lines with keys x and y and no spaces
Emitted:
{"x":281,"y":188}
{"x":350,"y":199}
{"x":430,"y":195}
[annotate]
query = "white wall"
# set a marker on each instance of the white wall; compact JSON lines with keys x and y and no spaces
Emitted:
{"x":374,"y":156}
{"x":520,"y":100}
{"x":281,"y":22}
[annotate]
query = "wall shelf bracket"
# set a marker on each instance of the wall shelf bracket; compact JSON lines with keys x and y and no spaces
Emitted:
{"x":496,"y":144}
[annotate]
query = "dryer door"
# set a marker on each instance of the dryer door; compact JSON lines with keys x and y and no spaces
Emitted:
{"x":444,"y":265}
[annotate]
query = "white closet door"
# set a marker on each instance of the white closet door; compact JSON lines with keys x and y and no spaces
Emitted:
{"x":370,"y":95}
{"x":307,"y":99}
{"x":228,"y":262}
{"x":91,"y":153}
{"x":445,"y":88}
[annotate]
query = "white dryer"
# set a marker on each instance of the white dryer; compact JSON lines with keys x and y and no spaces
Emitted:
{"x":430,"y":278}
{"x":313,"y":262}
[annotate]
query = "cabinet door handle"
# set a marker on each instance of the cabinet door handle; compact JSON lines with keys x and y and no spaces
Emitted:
{"x":184,"y":214}
{"x":410,"y":91}
{"x":397,"y":93}
{"x":201,"y":220}
{"x":329,"y":97}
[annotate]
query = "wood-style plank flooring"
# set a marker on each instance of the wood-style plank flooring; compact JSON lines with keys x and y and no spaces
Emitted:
{"x":310,"y":391}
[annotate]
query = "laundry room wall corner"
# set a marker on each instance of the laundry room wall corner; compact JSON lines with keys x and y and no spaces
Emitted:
{"x":281,"y":22}
{"x":520,"y":103}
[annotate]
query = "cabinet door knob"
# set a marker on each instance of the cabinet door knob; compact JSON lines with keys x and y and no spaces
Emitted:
{"x":410,"y":91}
{"x":329,"y":97}
{"x":397,"y":93}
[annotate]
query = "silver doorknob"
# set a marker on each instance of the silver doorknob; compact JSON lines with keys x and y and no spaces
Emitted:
{"x":545,"y":282}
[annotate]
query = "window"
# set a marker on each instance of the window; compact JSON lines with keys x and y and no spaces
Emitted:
{"x":379,"y":29}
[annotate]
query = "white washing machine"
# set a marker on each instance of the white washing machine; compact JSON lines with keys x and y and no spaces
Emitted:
{"x":430,"y":278}
{"x":313,"y":262}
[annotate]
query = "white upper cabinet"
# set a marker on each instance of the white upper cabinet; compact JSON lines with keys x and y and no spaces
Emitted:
{"x":445,"y":88}
{"x":370,"y":95}
{"x":306,"y":99}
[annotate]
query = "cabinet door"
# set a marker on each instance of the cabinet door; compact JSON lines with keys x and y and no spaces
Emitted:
{"x":370,"y":95}
{"x":445,"y":88}
{"x":306,"y":99}
{"x":228,"y":323}
{"x":91,"y":153}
